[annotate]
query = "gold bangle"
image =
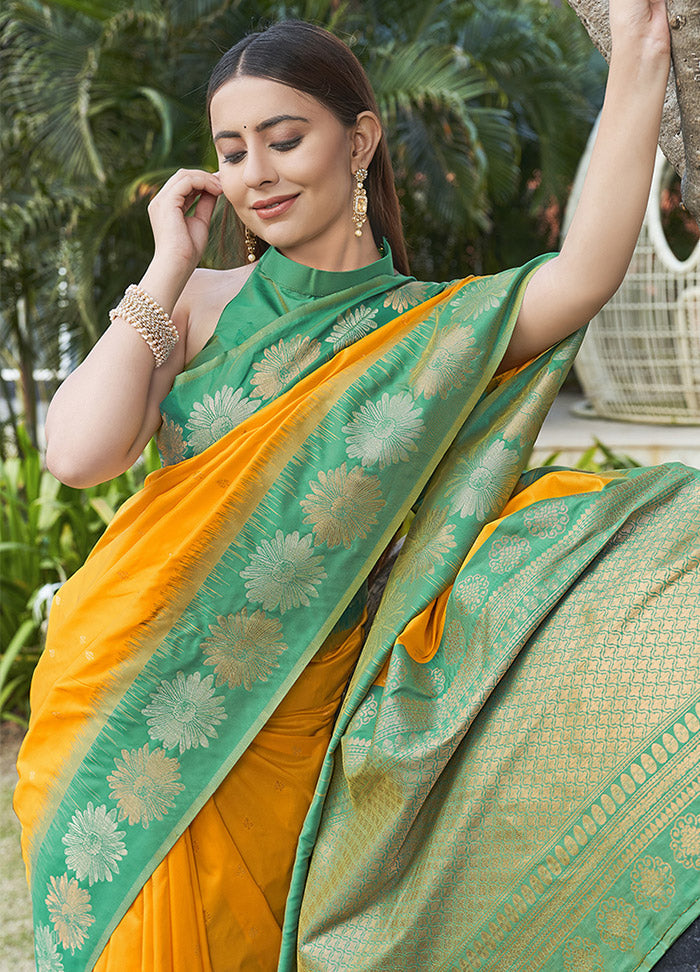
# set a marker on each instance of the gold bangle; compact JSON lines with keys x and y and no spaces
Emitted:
{"x":147,"y":317}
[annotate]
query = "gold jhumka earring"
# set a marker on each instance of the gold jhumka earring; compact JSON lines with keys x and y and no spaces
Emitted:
{"x":359,"y":202}
{"x":250,"y":241}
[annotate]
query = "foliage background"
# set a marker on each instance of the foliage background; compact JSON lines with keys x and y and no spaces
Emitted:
{"x":486,"y":108}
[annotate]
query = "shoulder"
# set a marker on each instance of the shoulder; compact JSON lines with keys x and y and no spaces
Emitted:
{"x":203,"y":300}
{"x":214,"y":286}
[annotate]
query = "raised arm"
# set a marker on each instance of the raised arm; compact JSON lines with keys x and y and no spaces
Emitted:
{"x":105,"y":412}
{"x":570,"y":289}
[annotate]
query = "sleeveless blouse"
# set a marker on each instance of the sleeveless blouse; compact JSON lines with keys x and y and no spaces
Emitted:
{"x":218,"y":389}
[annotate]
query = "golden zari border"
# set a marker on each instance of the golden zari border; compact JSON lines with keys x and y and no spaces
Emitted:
{"x":634,"y":823}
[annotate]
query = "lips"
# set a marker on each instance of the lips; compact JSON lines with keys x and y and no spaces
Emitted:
{"x":275,"y":206}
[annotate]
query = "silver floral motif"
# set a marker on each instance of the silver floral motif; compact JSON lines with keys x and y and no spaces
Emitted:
{"x":283,"y":363}
{"x":355,"y":750}
{"x":410,"y":295}
{"x":460,"y":652}
{"x":390,"y":620}
{"x":546,"y":520}
{"x":184,"y":712}
{"x":429,"y":540}
{"x":438,"y":681}
{"x":171,"y":442}
{"x":523,"y":421}
{"x":446,"y":362}
{"x":352,"y":326}
{"x":212,"y":418}
{"x":403,"y":744}
{"x":396,"y":673}
{"x":45,"y":950}
{"x":93,"y":844}
{"x":69,"y":910}
{"x":244,"y":648}
{"x":454,"y":643}
{"x":469,"y":592}
{"x":284,"y":572}
{"x":366,"y":712}
{"x":342,"y":505}
{"x":384,"y":431}
{"x":144,"y":784}
{"x":480,"y":485}
{"x":480,"y":295}
{"x":508,"y":553}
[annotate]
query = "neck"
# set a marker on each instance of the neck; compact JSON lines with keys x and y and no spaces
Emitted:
{"x":350,"y":253}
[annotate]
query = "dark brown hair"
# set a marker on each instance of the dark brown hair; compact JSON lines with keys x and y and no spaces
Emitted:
{"x":314,"y":61}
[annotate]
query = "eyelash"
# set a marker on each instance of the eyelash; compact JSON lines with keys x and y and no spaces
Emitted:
{"x":278,"y":146}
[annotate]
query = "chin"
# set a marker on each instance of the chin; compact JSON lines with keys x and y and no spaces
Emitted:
{"x":290,"y":236}
{"x":279,"y":238}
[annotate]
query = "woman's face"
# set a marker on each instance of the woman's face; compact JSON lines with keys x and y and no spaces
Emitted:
{"x":286,"y":166}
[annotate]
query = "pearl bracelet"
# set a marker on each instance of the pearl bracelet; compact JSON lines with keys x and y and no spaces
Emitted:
{"x":147,"y":317}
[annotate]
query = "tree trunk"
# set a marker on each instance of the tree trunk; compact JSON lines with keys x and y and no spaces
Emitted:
{"x":27,"y":360}
{"x":680,"y":126}
{"x":684,"y":20}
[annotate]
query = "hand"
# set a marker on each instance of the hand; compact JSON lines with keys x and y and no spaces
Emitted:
{"x":640,"y":25}
{"x":180,"y":239}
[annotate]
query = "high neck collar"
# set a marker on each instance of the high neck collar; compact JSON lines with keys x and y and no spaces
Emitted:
{"x":320,"y":283}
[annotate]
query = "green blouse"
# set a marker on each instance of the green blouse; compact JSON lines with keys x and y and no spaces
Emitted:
{"x":245,"y":364}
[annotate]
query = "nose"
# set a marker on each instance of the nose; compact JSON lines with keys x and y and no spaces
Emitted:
{"x":259,"y":169}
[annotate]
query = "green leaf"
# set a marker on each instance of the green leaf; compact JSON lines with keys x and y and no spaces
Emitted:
{"x":8,"y":690}
{"x":615,"y":460}
{"x":26,"y":630}
{"x":97,"y":9}
{"x":164,"y":107}
{"x":103,"y":509}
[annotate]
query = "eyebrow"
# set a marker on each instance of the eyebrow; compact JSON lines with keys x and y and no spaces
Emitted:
{"x":263,"y":126}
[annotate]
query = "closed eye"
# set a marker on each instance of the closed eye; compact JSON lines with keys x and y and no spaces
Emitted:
{"x":288,"y":145}
{"x":285,"y":146}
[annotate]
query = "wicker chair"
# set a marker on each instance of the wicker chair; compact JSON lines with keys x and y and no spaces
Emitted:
{"x":640,"y":360}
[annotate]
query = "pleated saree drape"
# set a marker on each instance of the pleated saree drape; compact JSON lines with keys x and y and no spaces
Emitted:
{"x":194,"y":666}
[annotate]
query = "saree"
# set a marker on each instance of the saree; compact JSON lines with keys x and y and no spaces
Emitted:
{"x":360,"y":402}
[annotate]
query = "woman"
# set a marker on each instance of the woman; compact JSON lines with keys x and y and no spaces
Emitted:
{"x":186,"y":726}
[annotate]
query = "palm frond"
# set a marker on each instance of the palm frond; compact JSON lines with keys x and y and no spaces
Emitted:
{"x":420,"y":75}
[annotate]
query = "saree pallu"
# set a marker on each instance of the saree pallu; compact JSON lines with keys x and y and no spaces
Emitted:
{"x":516,"y":784}
{"x":206,"y":601}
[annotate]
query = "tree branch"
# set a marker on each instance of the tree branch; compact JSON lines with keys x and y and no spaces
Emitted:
{"x":680,"y":125}
{"x":684,"y":21}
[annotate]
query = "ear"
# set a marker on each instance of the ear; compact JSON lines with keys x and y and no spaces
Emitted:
{"x":366,"y":136}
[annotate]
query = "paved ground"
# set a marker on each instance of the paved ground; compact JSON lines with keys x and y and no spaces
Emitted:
{"x":566,"y":432}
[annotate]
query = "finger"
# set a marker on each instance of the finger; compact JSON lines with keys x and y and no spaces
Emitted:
{"x":205,"y":207}
{"x":190,"y":182}
{"x":192,"y":198}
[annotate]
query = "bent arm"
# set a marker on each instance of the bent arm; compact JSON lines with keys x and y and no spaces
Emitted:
{"x":106,"y":411}
{"x":566,"y":292}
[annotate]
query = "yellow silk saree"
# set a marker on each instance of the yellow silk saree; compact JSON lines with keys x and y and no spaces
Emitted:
{"x":476,"y":806}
